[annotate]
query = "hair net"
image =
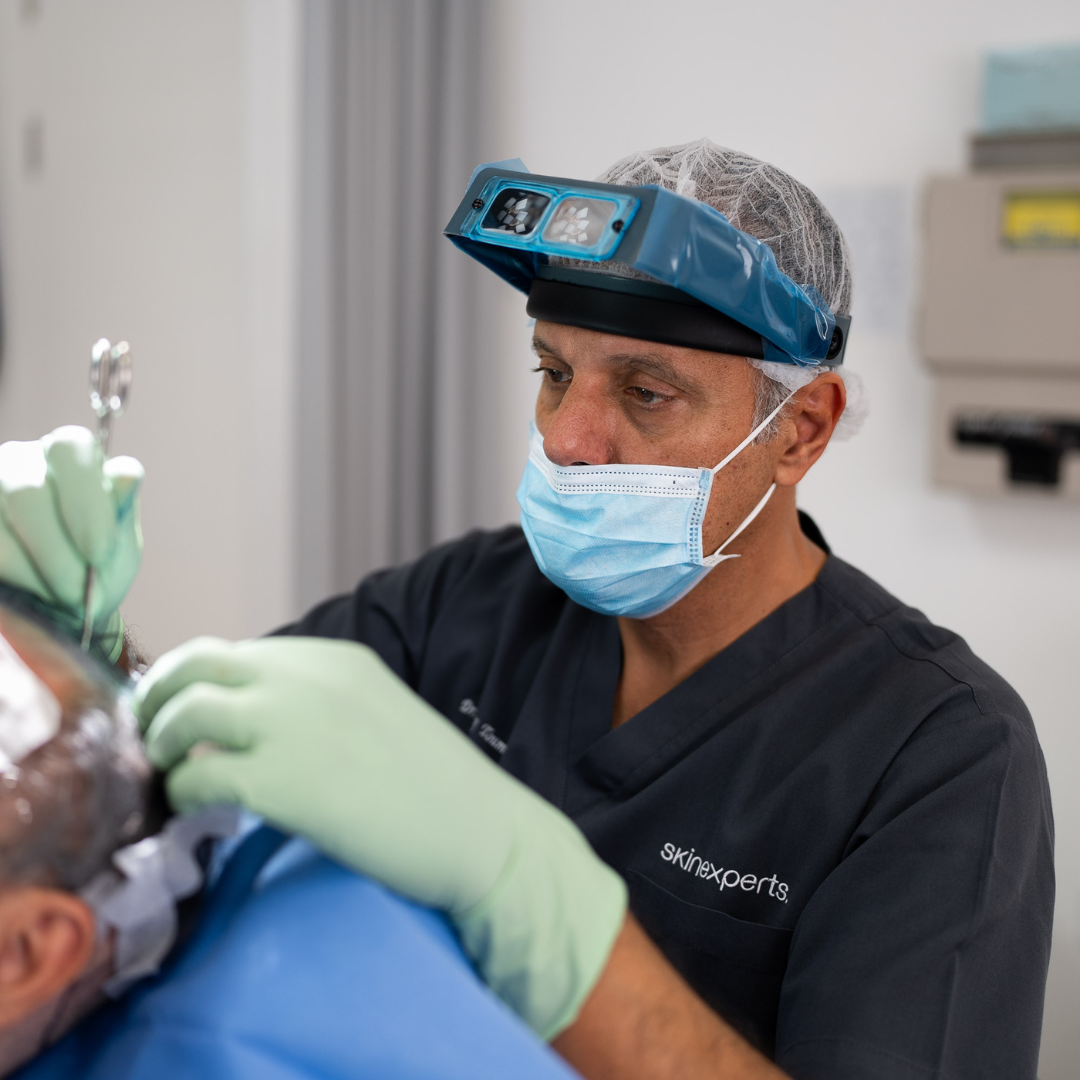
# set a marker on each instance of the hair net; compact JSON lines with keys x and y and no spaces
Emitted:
{"x":767,"y":203}
{"x":757,"y":198}
{"x":788,"y":377}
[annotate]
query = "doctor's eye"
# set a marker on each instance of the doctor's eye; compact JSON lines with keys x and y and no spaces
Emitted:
{"x":553,"y":375}
{"x":645,"y":396}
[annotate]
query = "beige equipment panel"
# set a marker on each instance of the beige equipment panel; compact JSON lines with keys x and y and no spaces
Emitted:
{"x":1001,"y":330}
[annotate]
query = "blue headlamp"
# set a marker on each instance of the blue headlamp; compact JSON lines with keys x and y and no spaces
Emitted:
{"x":712,"y":286}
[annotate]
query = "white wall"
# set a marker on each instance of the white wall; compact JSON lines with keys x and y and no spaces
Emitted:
{"x":162,"y":210}
{"x":860,"y":101}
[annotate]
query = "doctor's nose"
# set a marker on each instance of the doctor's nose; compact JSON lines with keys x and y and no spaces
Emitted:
{"x":581,"y":431}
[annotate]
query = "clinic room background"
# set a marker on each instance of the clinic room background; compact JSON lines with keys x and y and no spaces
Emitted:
{"x":252,"y":193}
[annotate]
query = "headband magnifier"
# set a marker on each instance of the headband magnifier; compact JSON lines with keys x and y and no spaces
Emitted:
{"x":711,"y":285}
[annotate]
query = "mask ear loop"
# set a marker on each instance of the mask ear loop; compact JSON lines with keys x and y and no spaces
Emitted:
{"x":717,"y":556}
{"x":756,"y":432}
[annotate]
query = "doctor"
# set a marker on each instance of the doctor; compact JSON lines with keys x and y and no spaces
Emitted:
{"x":710,"y":802}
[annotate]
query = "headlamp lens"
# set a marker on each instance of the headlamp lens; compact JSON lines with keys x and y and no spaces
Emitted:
{"x":515,"y":210}
{"x":578,"y":221}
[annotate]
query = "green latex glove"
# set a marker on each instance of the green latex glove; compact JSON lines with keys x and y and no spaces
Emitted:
{"x":322,"y":739}
{"x":64,"y":508}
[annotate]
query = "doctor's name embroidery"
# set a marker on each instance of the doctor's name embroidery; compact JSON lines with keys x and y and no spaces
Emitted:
{"x":686,"y":859}
{"x":477,"y":730}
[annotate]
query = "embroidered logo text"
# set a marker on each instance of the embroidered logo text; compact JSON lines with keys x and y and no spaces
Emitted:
{"x":687,"y":859}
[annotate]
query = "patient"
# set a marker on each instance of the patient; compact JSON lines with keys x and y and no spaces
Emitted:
{"x":118,"y":961}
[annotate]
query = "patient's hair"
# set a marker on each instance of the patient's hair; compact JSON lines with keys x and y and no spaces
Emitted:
{"x":70,"y":804}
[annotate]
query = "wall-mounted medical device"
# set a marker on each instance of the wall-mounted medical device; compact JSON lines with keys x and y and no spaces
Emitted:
{"x":1001,"y":305}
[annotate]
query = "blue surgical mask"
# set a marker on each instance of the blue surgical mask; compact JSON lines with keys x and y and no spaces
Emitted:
{"x":623,"y":539}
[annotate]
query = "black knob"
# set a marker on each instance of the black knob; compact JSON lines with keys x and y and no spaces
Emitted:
{"x":836,"y":344}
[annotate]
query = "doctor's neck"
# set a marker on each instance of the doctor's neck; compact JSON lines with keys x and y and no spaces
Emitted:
{"x":776,"y":561}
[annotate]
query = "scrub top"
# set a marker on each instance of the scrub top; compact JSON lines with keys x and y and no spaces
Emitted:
{"x":838,"y":829}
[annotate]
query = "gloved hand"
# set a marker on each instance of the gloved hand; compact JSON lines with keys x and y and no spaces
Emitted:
{"x":63,"y":508}
{"x":322,"y":739}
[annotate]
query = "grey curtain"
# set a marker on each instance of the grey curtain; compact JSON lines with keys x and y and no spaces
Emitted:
{"x":389,"y":395}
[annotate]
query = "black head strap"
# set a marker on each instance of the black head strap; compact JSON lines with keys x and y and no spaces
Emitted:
{"x":646,"y":310}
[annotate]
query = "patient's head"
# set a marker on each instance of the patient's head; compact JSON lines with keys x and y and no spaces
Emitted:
{"x":66,"y":806}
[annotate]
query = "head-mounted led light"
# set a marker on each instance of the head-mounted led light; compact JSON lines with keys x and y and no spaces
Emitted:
{"x":546,"y":219}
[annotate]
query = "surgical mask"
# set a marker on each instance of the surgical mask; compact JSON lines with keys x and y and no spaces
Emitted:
{"x":623,"y":539}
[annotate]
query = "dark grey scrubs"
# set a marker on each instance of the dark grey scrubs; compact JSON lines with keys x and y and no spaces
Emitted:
{"x":838,"y":830}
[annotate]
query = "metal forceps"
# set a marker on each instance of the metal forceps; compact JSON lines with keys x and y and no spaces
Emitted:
{"x":110,"y":380}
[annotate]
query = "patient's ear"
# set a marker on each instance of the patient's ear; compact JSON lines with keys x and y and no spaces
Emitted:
{"x":46,"y":940}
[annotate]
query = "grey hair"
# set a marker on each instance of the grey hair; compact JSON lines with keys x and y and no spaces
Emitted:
{"x":769,"y":395}
{"x":71,"y":803}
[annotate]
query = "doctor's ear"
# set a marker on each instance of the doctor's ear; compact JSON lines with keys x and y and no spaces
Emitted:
{"x":46,"y":941}
{"x":812,"y":416}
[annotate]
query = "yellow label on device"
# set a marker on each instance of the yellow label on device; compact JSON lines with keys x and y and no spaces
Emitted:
{"x":1045,"y":219}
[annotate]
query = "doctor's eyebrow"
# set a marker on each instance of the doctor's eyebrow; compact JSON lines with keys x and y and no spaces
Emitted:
{"x":647,"y":362}
{"x":539,"y":345}
{"x":655,"y":366}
